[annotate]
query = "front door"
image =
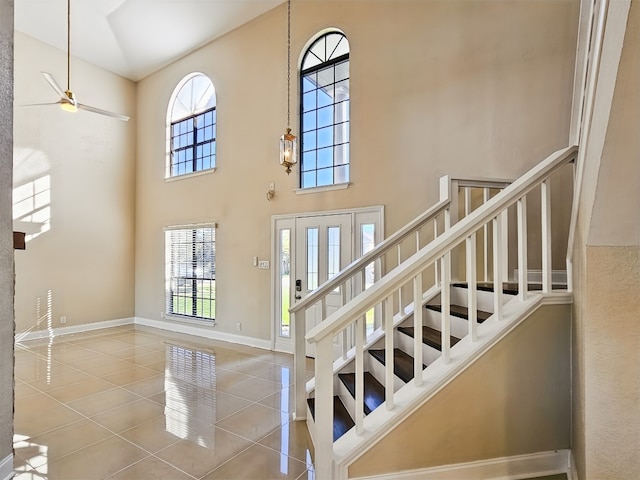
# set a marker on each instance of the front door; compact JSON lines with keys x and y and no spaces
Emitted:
{"x":310,"y":249}
{"x":323,"y":248}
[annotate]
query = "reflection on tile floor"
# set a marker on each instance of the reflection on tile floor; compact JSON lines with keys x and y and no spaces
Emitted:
{"x":137,"y":403}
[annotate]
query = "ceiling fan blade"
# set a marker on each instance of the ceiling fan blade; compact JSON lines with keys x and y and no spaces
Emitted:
{"x":54,"y":84}
{"x":38,"y":104}
{"x":102,"y":112}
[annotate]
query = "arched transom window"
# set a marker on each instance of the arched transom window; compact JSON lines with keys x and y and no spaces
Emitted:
{"x":192,"y":126}
{"x":324,"y":116}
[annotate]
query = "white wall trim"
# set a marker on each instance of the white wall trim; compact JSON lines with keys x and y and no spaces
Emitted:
{"x":205,"y":331}
{"x":506,"y":468}
{"x":85,"y":327}
{"x":6,"y":468}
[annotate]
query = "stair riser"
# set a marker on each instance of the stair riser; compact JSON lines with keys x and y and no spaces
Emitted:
{"x":460,"y":296}
{"x":348,"y":401}
{"x":378,"y":371}
{"x":406,"y":343}
{"x":459,"y":326}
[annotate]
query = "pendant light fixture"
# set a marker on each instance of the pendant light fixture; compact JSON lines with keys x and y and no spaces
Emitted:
{"x":288,"y":141}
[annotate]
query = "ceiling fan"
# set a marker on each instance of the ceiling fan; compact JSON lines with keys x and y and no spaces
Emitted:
{"x":67,"y":99}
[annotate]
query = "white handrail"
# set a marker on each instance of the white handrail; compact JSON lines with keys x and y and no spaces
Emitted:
{"x":393,"y":240}
{"x":381,"y":249}
{"x":457,"y":234}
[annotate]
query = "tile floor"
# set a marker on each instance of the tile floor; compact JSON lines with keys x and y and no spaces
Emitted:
{"x":137,"y":403}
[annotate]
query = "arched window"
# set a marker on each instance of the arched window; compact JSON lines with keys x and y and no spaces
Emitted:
{"x":192,"y":126}
{"x":324,"y":116}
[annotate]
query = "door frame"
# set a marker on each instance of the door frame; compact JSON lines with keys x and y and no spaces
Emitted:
{"x":359,"y":216}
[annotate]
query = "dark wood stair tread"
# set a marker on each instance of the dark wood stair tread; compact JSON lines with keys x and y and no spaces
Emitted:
{"x":342,"y":421}
{"x":373,"y":390}
{"x":430,"y":336}
{"x":402,"y":363}
{"x":510,"y":288}
{"x":460,"y":311}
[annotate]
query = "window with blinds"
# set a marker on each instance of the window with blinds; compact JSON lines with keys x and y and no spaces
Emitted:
{"x":191,"y":272}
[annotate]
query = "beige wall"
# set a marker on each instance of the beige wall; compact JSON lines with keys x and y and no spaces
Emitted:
{"x":606,"y":342}
{"x":463,"y":88}
{"x":6,"y":236}
{"x":516,"y":399}
{"x":81,"y":168}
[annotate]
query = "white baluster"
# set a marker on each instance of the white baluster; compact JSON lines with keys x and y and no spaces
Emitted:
{"x":504,"y":217}
{"x":435,"y":265}
{"x":497,"y":269}
{"x":547,"y":268}
{"x":300,"y":368}
{"x":324,"y":408}
{"x":522,"y":248}
{"x":388,"y":348}
{"x":417,"y":329}
{"x":345,"y":331}
{"x":569,"y":259}
{"x":485,"y":199}
{"x":359,"y":409}
{"x":467,"y":201}
{"x":400,"y":303}
{"x":445,"y":301}
{"x":472,"y":292}
{"x":323,"y":308}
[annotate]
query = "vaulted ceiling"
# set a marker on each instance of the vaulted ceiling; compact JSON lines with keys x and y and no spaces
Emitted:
{"x":134,"y":38}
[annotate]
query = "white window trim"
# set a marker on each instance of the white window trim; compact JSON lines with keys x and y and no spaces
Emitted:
{"x":324,"y":188}
{"x":190,"y":175}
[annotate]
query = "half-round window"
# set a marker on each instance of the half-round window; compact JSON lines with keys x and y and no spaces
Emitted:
{"x":192,"y":126}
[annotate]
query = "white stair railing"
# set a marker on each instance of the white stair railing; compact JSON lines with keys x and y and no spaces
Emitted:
{"x":389,"y":254}
{"x":385,"y":294}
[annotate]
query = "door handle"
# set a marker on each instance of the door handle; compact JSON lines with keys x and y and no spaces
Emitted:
{"x":298,"y":297}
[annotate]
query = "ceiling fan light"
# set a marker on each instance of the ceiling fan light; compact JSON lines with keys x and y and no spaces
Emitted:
{"x":68,"y":107}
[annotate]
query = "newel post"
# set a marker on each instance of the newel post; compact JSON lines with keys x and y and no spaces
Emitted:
{"x":299,"y":364}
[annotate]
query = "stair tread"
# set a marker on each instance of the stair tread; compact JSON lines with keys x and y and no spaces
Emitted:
{"x":430,"y":336}
{"x":402,"y":363}
{"x":342,"y":421}
{"x":510,"y":288}
{"x":373,"y":390}
{"x":460,"y":311}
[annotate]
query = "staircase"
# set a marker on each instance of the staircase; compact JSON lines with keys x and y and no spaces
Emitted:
{"x":403,"y":353}
{"x":441,"y":317}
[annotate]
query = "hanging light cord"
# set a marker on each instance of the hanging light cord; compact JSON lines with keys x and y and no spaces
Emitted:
{"x":288,"y":63}
{"x":68,"y":44}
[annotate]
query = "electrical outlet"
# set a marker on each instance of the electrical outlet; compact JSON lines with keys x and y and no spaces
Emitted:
{"x":63,"y":319}
{"x":272,"y":187}
{"x":239,"y":326}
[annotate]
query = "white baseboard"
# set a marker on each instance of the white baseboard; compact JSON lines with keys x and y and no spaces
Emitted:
{"x":507,"y":468}
{"x":85,"y":327}
{"x":6,"y":468}
{"x":174,"y":326}
{"x":205,"y":331}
